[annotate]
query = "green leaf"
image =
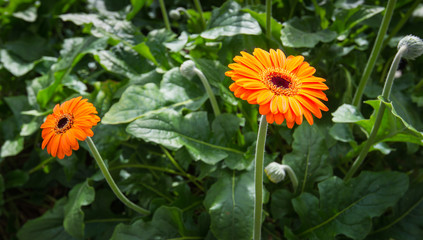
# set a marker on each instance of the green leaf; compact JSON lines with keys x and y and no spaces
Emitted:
{"x":29,"y":128}
{"x":15,"y":178}
{"x":261,"y":19}
{"x":122,"y":61}
{"x":14,"y":64}
{"x":80,"y":195}
{"x":136,"y":7}
{"x":281,"y":204}
{"x":406,"y":222}
{"x":230,"y":202}
{"x":48,"y":226}
{"x":12,"y":147}
{"x":304,"y":32}
{"x":175,"y":92}
{"x":225,"y":127}
{"x":347,"y":114}
{"x":135,"y":102}
{"x":229,"y":20}
{"x":29,"y":14}
{"x":172,"y":130}
{"x":346,"y":19}
{"x":348,"y":208}
{"x":393,"y":127}
{"x":341,"y":132}
{"x":309,"y":157}
{"x":167,"y":223}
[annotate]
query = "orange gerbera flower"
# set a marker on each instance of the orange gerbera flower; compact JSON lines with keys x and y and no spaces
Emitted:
{"x":70,"y":121}
{"x":284,"y":87}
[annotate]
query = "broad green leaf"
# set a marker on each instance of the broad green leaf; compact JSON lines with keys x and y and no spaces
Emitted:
{"x":29,"y":14}
{"x":14,"y":64}
{"x":172,"y":130}
{"x":304,"y":32}
{"x":406,"y":222}
{"x":230,"y":203}
{"x":393,"y":127}
{"x":15,"y":178}
{"x":48,"y":226}
{"x":175,"y":92}
{"x":309,"y":157}
{"x":2,"y":189}
{"x":348,"y":208}
{"x":28,"y":50}
{"x":167,"y":223}
{"x":73,"y":51}
{"x":135,"y":102}
{"x":12,"y":147}
{"x":346,"y":19}
{"x":261,"y":19}
{"x":229,"y":20}
{"x":347,"y":114}
{"x":341,"y":132}
{"x":80,"y":195}
{"x":110,"y":27}
{"x":123,"y":61}
{"x":136,"y":7}
{"x":29,"y":128}
{"x":281,"y":204}
{"x":225,"y":127}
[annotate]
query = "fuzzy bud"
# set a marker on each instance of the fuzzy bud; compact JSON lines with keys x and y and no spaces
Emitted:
{"x":275,"y":172}
{"x":188,"y":69}
{"x":174,"y":14}
{"x":414,"y":46}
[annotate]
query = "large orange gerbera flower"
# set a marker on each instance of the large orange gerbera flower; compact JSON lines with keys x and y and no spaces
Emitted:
{"x":284,"y":87}
{"x":70,"y":121}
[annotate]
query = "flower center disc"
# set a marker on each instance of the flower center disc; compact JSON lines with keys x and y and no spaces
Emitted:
{"x":62,"y":122}
{"x":280,"y":82}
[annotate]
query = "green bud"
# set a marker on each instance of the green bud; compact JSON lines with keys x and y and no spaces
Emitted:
{"x":414,"y":46}
{"x":188,"y":69}
{"x":275,"y":172}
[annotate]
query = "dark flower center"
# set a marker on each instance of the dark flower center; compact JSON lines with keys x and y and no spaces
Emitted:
{"x":280,"y":82}
{"x":62,"y":122}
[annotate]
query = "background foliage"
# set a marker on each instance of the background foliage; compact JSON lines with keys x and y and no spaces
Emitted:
{"x":166,"y":149}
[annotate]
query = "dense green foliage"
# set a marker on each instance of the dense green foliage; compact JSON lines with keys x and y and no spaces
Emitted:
{"x":166,"y":149}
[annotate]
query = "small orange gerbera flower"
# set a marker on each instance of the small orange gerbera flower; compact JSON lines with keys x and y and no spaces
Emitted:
{"x":70,"y":121}
{"x":284,"y":87}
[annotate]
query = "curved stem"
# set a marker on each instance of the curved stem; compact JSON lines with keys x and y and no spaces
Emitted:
{"x":200,"y":11}
{"x":258,"y":177}
{"x":164,"y":13}
{"x":110,"y":180}
{"x":269,"y":18}
{"x":209,"y":91}
{"x":374,"y":54}
{"x":385,"y":95}
{"x":292,"y":176}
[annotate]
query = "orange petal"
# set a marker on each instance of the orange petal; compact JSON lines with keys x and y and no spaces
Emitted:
{"x":279,"y":118}
{"x":281,"y":58}
{"x":289,"y":115}
{"x":295,"y":106}
{"x":252,"y":60}
{"x":293,"y":62}
{"x":283,"y":104}
{"x":270,"y":118}
{"x":317,"y":86}
{"x":315,"y":93}
{"x":309,"y":104}
{"x":299,"y":119}
{"x":308,"y":116}
{"x":290,"y":124}
{"x":78,"y":133}
{"x":247,"y":63}
{"x":47,"y":139}
{"x":264,"y":109}
{"x":274,"y":105}
{"x":55,"y":145}
{"x":305,"y":70}
{"x":262,"y":56}
{"x":274,"y":58}
{"x":265,"y":97}
{"x":318,"y":102}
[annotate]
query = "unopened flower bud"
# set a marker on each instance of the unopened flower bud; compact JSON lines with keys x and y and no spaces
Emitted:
{"x":414,"y":46}
{"x":275,"y":172}
{"x":174,"y":14}
{"x":188,"y":69}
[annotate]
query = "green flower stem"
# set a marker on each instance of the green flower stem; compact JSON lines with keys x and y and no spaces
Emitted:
{"x":258,"y":177}
{"x":269,"y":18}
{"x":164,"y":13}
{"x":385,"y":95}
{"x":209,"y":91}
{"x":110,"y":180}
{"x":402,"y":21}
{"x":292,"y":176}
{"x":374,"y":54}
{"x":200,"y":11}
